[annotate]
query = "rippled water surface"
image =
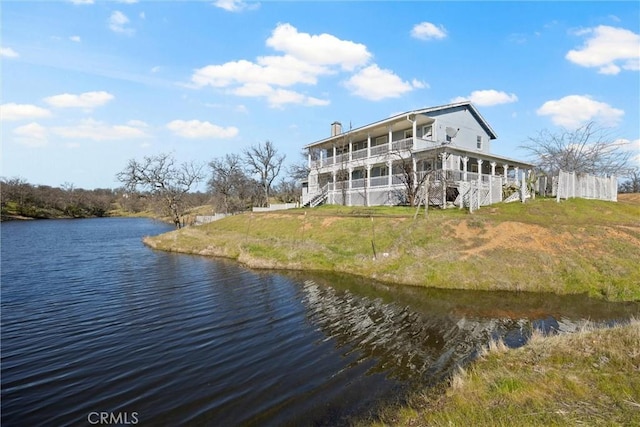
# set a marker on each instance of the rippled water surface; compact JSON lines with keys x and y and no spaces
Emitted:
{"x":94,"y":322}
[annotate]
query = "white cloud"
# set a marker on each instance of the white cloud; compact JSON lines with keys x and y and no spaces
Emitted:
{"x":7,"y":52}
{"x":99,"y":131}
{"x":631,"y":146}
{"x":575,"y":110}
{"x":31,"y":135}
{"x":118,"y":22}
{"x":13,"y":112}
{"x":81,"y":1}
{"x":304,"y":60}
{"x":322,"y":49}
{"x":137,"y":123}
{"x":273,"y":70}
{"x":75,"y":39}
{"x":488,"y":97}
{"x":277,"y":98}
{"x":418,"y":84}
{"x":428,"y":31}
{"x":235,"y":5}
{"x":374,"y":83}
{"x":610,"y":49}
{"x":198,"y":129}
{"x":85,"y":100}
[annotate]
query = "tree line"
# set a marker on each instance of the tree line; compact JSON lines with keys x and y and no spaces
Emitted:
{"x":234,"y":183}
{"x":257,"y":176}
{"x":22,"y":199}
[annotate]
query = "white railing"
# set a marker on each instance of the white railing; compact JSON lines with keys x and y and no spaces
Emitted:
{"x":379,"y":149}
{"x":402,"y":144}
{"x":379,"y":181}
{"x":397,"y":179}
{"x":359,"y":154}
{"x":357,"y":183}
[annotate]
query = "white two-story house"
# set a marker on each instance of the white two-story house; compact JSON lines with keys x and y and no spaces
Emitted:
{"x":446,"y":149}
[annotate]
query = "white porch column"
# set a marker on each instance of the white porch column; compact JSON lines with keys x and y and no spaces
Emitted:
{"x":349,"y":192}
{"x":334,"y":154}
{"x":414,"y":166}
{"x":465,"y":160}
{"x":390,"y":168}
{"x":480,"y":162}
{"x":350,"y":149}
{"x":443,"y":158}
{"x":332,"y":192}
{"x":367,"y":184}
{"x":443,"y":180}
{"x":389,"y":138}
{"x":320,"y":159}
{"x":415,"y":132}
{"x":493,"y":168}
{"x":368,"y":145}
{"x":506,"y":171}
{"x":309,"y":158}
{"x":516,"y":169}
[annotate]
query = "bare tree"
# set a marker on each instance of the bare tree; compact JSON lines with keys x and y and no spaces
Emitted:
{"x":589,"y":149}
{"x":264,"y":160}
{"x":412,"y":179}
{"x":163,"y":179}
{"x":632,"y":184}
{"x":288,"y":191}
{"x":227,"y":182}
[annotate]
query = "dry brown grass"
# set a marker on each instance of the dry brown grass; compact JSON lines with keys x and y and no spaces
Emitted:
{"x":591,"y":377}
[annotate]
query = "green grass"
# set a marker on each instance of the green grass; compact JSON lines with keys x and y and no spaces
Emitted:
{"x":590,"y":377}
{"x":577,"y":246}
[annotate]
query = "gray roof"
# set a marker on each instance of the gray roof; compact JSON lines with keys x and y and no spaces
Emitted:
{"x":474,"y":111}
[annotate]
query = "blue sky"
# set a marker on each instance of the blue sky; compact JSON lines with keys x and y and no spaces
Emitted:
{"x":88,"y":85}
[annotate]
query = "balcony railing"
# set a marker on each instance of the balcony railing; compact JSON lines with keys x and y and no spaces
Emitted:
{"x":359,"y":154}
{"x":402,"y":144}
{"x":379,"y":149}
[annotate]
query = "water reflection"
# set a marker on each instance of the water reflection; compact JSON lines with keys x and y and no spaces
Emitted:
{"x":418,"y":334}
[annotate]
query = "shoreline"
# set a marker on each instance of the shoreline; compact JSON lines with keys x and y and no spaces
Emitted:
{"x":575,"y":247}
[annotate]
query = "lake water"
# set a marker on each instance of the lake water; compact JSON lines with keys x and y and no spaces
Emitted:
{"x":97,"y":328}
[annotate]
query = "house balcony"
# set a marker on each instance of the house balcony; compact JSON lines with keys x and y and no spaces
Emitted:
{"x":369,"y":155}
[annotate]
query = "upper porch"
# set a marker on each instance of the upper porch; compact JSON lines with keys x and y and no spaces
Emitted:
{"x":457,"y":124}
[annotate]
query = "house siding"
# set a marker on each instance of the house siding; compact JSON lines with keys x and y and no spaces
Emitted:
{"x":461,"y":118}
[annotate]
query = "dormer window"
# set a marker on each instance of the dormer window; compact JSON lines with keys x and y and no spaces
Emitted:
{"x":479,"y":142}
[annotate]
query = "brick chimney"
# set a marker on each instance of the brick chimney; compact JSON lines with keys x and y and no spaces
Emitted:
{"x":336,"y":128}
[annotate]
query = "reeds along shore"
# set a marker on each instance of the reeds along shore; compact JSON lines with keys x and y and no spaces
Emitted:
{"x":591,"y":377}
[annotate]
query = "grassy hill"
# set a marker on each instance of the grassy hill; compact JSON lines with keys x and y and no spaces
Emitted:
{"x":575,"y":246}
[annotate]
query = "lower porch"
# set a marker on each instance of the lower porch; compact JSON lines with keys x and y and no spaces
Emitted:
{"x":437,"y":187}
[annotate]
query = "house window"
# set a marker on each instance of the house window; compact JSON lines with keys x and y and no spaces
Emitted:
{"x":361,"y":145}
{"x":378,"y":171}
{"x":479,"y":142}
{"x":425,"y":165}
{"x":358,"y":174}
{"x":427,"y":132}
{"x":408,"y":134}
{"x":382,"y":140}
